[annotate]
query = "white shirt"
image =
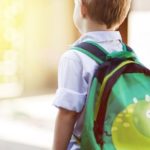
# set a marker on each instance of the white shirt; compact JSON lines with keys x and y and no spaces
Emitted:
{"x":76,"y":70}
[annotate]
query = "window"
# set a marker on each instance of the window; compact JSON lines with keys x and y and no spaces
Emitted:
{"x":139,"y":30}
{"x":11,"y":42}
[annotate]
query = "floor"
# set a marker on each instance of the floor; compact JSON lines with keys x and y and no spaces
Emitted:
{"x":27,"y":123}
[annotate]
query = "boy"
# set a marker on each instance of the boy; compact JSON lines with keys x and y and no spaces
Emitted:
{"x":97,"y":21}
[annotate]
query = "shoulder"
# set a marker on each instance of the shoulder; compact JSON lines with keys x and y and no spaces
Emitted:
{"x":71,"y":55}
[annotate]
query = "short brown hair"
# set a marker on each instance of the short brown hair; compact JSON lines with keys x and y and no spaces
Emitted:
{"x":108,"y":12}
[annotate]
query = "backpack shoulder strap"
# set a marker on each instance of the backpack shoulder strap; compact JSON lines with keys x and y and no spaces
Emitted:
{"x":129,"y":49}
{"x":100,"y":55}
{"x":93,"y":50}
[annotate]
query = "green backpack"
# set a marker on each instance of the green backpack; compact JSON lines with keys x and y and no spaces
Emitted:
{"x":117,"y":113}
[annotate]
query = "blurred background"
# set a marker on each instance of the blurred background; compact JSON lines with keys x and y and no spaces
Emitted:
{"x":33,"y":36}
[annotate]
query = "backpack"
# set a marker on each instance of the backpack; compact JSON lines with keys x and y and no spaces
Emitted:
{"x":117,"y":115}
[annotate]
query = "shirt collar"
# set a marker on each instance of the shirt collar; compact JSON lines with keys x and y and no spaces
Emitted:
{"x":100,"y":36}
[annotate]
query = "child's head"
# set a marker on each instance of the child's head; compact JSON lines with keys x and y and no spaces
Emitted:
{"x":107,"y":13}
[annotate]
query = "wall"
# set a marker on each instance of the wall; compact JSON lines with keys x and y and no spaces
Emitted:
{"x":48,"y":32}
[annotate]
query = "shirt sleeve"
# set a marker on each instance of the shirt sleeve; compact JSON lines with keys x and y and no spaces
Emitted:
{"x":72,"y":87}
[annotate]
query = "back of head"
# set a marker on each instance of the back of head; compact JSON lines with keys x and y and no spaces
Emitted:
{"x":108,"y":12}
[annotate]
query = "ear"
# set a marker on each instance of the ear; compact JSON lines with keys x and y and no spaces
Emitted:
{"x":83,"y":10}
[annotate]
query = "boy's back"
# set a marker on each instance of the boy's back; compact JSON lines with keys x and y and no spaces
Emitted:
{"x":76,"y":70}
{"x":75,"y":74}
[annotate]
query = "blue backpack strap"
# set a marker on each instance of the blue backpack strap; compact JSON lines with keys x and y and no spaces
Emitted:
{"x":93,"y":50}
{"x":129,"y":49}
{"x":100,"y":55}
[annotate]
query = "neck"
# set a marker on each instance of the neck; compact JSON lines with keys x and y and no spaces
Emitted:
{"x":89,"y":26}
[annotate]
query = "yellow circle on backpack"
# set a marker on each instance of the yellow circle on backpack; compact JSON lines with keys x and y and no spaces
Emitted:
{"x":133,"y":132}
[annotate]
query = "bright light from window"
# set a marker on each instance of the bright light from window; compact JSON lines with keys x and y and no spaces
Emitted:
{"x":139,"y":35}
{"x":11,"y":43}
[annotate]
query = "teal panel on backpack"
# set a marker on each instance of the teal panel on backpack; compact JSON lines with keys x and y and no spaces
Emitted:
{"x":127,"y":121}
